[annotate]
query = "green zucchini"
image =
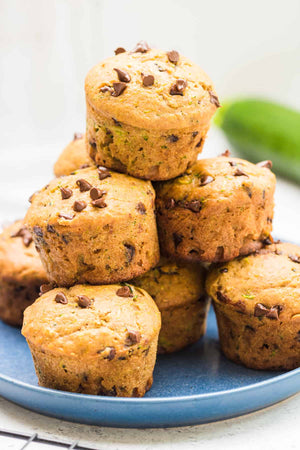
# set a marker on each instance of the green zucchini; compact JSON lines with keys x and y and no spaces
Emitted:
{"x":260,"y":130}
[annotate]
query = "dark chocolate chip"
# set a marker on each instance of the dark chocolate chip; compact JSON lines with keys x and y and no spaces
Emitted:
{"x":273,"y":313}
{"x":130,"y":252}
{"x":214,"y":99}
{"x":103,"y":173}
{"x":223,"y":297}
{"x":116,"y":122}
{"x":178,"y":87}
{"x":77,"y":136}
{"x":219,"y":255}
{"x":83,"y":185}
{"x":96,"y":193}
{"x":135,"y":392}
{"x":268,"y":241}
{"x":205,"y":179}
{"x":295,"y":259}
{"x":240,"y":306}
{"x":148,"y":80}
{"x":194,"y":205}
{"x":79,"y":205}
{"x":172,"y":138}
{"x":84,"y":166}
{"x":141,"y":47}
{"x":84,"y":301}
{"x":141,"y":208}
{"x":177,"y":239}
{"x":260,"y":310}
{"x":170,"y":203}
{"x":111,"y":354}
{"x":122,"y":75}
{"x":93,"y":144}
{"x":173,"y":56}
{"x":65,"y":239}
{"x":195,"y":133}
{"x":133,"y":337}
{"x":226,"y":154}
{"x":61,"y":298}
{"x":224,"y":270}
{"x":66,"y":193}
{"x":232,"y":163}
{"x":124,"y":291}
{"x":99,"y":203}
{"x":199,"y":143}
{"x":45,"y":288}
{"x":239,"y":173}
{"x":119,"y":50}
{"x":38,"y":231}
{"x":118,"y":89}
{"x":66,"y":216}
{"x":106,"y":89}
{"x":31,"y":197}
{"x":50,"y":228}
{"x":266,"y":164}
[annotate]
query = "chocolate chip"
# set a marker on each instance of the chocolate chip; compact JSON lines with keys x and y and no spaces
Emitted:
{"x":226,"y":154}
{"x":141,"y":208}
{"x":79,"y":205}
{"x":61,"y":298}
{"x":232,"y":163}
{"x":122,"y":75}
{"x":223,"y":297}
{"x":116,"y":122}
{"x":170,"y":203}
{"x":103,"y":173}
{"x":66,"y":216}
{"x":239,"y":173}
{"x":273,"y":313}
{"x":50,"y":228}
{"x":148,"y":80}
{"x":124,"y":291}
{"x":106,"y":89}
{"x":260,"y":310}
{"x":84,"y":185}
{"x":118,"y":89}
{"x":93,"y":144}
{"x":199,"y":143}
{"x":84,"y":166}
{"x":173,"y":138}
{"x":141,"y":47}
{"x":133,"y":337}
{"x":194,"y":205}
{"x":240,"y":306}
{"x":66,"y":193}
{"x":77,"y":136}
{"x":25,"y":235}
{"x":266,"y":164}
{"x":173,"y":56}
{"x":268,"y":241}
{"x":84,"y":301}
{"x":111,"y":354}
{"x":219,"y":255}
{"x":214,"y":99}
{"x":99,"y":203}
{"x":224,"y":270}
{"x":205,"y":179}
{"x":45,"y":288}
{"x":96,"y":193}
{"x":177,"y":239}
{"x":295,"y":259}
{"x":195,"y":133}
{"x":130,"y":252}
{"x":38,"y":231}
{"x":179,"y":87}
{"x":65,"y":239}
{"x":119,"y":50}
{"x":31,"y":197}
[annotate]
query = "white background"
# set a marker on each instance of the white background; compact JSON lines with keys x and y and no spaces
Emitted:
{"x":46,"y":48}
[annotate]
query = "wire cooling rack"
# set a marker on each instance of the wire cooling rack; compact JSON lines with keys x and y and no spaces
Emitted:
{"x":26,"y":440}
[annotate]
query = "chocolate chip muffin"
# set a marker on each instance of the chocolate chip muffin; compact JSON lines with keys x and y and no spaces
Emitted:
{"x":74,"y":156}
{"x":218,"y":209}
{"x":148,"y":112}
{"x":178,"y":290}
{"x":21,"y":273}
{"x":99,"y":340}
{"x":257,"y":303}
{"x":95,"y":226}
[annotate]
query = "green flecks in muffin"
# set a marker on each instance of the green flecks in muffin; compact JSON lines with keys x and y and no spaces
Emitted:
{"x":185,"y":179}
{"x":249,"y":296}
{"x":145,"y":137}
{"x":163,"y":146}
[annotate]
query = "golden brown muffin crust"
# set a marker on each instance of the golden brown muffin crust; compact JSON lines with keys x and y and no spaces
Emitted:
{"x":74,"y":156}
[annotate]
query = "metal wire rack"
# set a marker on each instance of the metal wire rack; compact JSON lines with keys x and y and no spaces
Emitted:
{"x":26,"y":439}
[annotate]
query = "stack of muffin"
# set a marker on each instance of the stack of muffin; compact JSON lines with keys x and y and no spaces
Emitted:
{"x":109,"y":300}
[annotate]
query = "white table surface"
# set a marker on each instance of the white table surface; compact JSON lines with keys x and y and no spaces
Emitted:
{"x":274,"y":428}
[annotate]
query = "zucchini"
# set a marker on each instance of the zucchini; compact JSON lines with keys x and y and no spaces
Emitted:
{"x":260,"y":130}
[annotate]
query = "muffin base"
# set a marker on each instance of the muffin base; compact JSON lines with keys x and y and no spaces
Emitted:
{"x":126,"y":375}
{"x":182,"y":326}
{"x":261,"y":344}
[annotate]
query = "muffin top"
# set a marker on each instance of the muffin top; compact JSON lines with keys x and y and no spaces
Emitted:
{"x":151,"y":88}
{"x":18,"y":256}
{"x":83,"y":198}
{"x":266,"y":283}
{"x":215,"y":180}
{"x":173,"y":283}
{"x":88,"y":320}
{"x":73,"y":157}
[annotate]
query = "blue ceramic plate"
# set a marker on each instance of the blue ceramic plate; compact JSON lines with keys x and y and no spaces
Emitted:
{"x":193,"y":386}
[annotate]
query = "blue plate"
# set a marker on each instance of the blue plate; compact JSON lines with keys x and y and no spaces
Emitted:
{"x":196,"y":385}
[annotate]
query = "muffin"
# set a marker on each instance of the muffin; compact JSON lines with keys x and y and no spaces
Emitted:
{"x":21,"y":273}
{"x":178,"y":290}
{"x":94,"y":226}
{"x":218,"y":209}
{"x":257,"y":304}
{"x":74,"y":156}
{"x":99,"y":340}
{"x":148,"y":112}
